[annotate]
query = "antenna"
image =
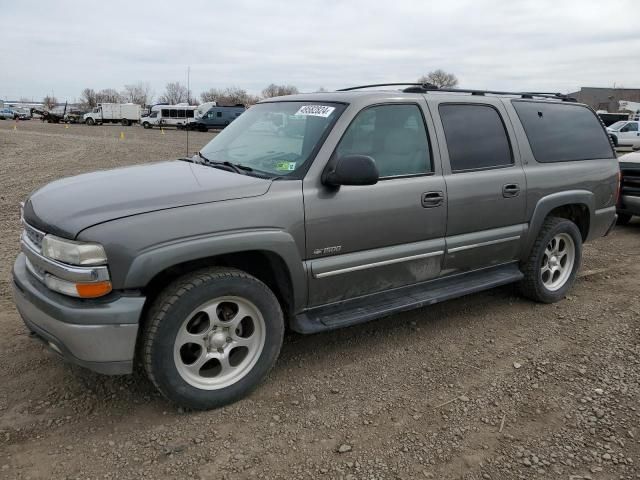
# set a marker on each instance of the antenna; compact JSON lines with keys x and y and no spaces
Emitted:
{"x":186,"y":118}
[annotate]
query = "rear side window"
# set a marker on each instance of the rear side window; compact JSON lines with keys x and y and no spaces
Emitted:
{"x":476,"y":137}
{"x":560,"y":132}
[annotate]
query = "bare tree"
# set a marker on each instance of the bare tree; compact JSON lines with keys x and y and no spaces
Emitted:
{"x":174,"y":93}
{"x":25,"y":100}
{"x":140,"y":93}
{"x":49,"y":102}
{"x":274,"y":90}
{"x":108,"y":95}
{"x":228,"y":96}
{"x":440,"y":79}
{"x":88,"y":98}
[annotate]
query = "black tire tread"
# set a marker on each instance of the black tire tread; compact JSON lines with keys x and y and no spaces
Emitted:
{"x":167,"y":299}
{"x":529,"y":284}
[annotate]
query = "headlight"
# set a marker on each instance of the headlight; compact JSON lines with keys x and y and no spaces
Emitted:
{"x":73,"y":253}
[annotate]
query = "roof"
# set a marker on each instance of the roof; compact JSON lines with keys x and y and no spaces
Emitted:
{"x":366,"y":95}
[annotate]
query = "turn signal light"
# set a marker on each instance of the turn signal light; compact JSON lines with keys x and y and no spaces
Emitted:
{"x":93,"y":290}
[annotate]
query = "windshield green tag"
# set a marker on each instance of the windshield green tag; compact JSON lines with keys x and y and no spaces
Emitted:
{"x":286,"y":166}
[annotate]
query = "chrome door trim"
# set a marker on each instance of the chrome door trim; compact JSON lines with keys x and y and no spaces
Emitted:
{"x":483,"y":244}
{"x":365,"y":266}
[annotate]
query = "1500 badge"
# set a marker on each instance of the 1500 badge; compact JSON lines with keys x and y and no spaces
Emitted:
{"x":327,"y":250}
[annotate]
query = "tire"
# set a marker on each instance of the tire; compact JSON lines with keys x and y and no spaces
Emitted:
{"x":146,"y":125}
{"x":179,"y":367}
{"x":90,"y":121}
{"x":614,"y":139}
{"x":125,"y":122}
{"x":623,"y":218}
{"x":544,"y":261}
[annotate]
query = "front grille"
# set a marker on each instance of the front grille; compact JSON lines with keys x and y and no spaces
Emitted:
{"x":34,"y":236}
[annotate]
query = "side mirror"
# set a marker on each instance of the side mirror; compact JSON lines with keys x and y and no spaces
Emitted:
{"x":351,"y":170}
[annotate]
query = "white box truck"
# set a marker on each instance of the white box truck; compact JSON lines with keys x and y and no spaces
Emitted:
{"x":124,"y":113}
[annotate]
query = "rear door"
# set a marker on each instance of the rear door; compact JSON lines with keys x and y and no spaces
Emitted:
{"x":485,"y":183}
{"x":366,"y":239}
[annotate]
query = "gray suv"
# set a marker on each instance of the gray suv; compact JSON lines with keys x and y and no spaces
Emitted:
{"x":311,"y":212}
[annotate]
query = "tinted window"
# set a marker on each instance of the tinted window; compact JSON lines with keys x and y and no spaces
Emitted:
{"x":560,"y":132}
{"x":476,"y":137}
{"x":189,"y":113}
{"x":174,"y":113}
{"x":219,"y":114}
{"x":393,"y":135}
{"x":165,"y":112}
{"x":630,"y":127}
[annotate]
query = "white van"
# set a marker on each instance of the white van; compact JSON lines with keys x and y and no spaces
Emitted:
{"x":169,"y":115}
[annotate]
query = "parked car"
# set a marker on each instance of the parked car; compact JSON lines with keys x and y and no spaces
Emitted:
{"x":8,"y":114}
{"x":625,"y":133}
{"x":375,"y":202}
{"x":218,"y":116}
{"x":629,"y":204}
{"x":23,"y":113}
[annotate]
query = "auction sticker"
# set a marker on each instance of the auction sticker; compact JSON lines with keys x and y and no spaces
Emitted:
{"x":315,"y":110}
{"x":286,"y":166}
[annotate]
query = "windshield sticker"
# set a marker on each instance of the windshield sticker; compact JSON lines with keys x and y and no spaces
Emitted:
{"x":315,"y":110}
{"x":286,"y":166}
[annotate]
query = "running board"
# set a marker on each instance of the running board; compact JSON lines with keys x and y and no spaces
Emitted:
{"x":377,"y":305}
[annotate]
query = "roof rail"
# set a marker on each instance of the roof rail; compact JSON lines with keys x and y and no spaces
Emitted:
{"x":428,"y":87}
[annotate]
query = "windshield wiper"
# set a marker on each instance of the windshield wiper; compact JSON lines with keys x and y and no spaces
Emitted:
{"x":226,"y":165}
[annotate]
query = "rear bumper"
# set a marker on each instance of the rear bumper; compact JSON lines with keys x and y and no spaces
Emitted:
{"x":602,"y":222}
{"x":100,"y":336}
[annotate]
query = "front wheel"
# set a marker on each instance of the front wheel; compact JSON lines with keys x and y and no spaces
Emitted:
{"x":550,"y":271}
{"x":211,"y":337}
{"x":90,"y":121}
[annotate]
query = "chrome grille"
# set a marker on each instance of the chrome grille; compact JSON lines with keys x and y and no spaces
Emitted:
{"x":34,"y":236}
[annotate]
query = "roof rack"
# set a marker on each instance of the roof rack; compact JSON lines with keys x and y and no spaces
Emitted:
{"x":428,"y":87}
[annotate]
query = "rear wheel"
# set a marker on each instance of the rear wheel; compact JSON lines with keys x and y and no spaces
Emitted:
{"x":550,"y":271}
{"x":125,"y":122}
{"x":211,"y":337}
{"x":623,"y":218}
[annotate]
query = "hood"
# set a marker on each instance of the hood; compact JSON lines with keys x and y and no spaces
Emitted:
{"x":67,"y":206}
{"x":630,"y":158}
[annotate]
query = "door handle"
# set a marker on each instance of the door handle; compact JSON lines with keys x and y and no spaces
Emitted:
{"x":432,"y":199}
{"x":510,"y":190}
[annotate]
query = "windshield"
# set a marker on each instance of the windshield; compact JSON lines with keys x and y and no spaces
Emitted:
{"x":617,"y":125}
{"x":277,"y":138}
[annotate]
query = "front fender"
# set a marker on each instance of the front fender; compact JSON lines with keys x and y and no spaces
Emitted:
{"x":154,"y":260}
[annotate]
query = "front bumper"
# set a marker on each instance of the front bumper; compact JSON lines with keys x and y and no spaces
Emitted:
{"x":99,"y":335}
{"x":630,"y":205}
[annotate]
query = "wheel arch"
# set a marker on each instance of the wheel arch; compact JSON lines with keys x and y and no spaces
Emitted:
{"x":574,"y":205}
{"x":271,"y":256}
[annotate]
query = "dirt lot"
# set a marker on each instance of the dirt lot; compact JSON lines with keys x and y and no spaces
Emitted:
{"x":486,"y":387}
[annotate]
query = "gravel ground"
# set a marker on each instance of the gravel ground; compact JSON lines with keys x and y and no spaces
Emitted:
{"x":490,"y":386}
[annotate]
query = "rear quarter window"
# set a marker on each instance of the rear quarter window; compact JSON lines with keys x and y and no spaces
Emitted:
{"x":561,"y":132}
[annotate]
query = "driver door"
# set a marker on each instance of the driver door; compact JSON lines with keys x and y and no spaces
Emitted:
{"x":366,"y":239}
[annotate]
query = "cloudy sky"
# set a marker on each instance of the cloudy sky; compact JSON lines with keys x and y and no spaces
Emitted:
{"x":559,"y":45}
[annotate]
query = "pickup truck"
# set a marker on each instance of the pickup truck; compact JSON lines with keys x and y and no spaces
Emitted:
{"x":378,"y":201}
{"x":629,"y":202}
{"x":625,"y":133}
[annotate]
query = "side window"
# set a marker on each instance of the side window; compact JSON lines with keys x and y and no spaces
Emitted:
{"x":631,"y":127}
{"x":181,"y":113}
{"x":174,"y":113}
{"x":393,"y":135}
{"x":476,"y":137}
{"x":189,"y":113}
{"x":562,"y":132}
{"x":165,"y":112}
{"x":219,"y":114}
